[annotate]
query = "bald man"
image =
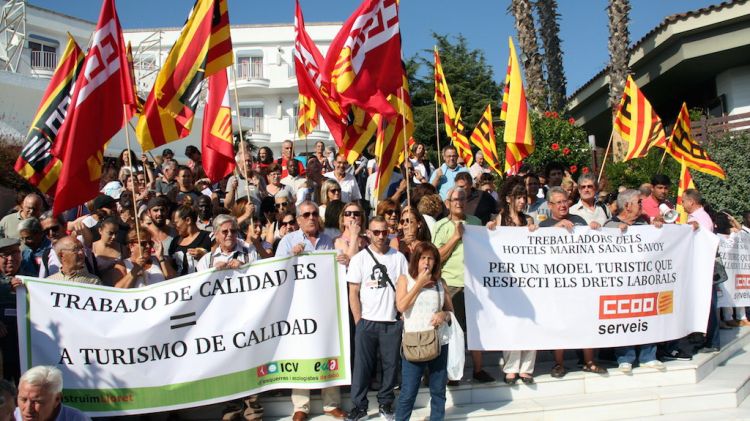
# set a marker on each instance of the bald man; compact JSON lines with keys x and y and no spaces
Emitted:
{"x":31,"y":206}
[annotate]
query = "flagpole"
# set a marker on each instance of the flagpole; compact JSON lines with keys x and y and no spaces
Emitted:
{"x":242,"y":138}
{"x":666,"y":148}
{"x":406,"y":148}
{"x":437,"y":132}
{"x":133,"y":177}
{"x":604,"y":161}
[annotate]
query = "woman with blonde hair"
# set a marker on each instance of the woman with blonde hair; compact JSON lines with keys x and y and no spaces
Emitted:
{"x":351,"y":223}
{"x":329,"y":190}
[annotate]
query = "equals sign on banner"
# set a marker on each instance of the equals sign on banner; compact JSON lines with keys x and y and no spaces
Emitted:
{"x":180,"y":321}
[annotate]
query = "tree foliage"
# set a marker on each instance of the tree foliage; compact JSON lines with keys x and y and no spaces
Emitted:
{"x":730,"y":152}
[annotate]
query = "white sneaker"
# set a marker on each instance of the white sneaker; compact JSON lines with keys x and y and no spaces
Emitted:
{"x":656,"y":364}
{"x":626,"y":368}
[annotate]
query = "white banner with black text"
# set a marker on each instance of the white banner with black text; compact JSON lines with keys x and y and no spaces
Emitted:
{"x":734,"y":251}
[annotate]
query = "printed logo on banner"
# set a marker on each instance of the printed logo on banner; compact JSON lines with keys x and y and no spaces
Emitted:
{"x":276,"y":367}
{"x":635,"y":305}
{"x":327,"y":365}
{"x":742,"y":281}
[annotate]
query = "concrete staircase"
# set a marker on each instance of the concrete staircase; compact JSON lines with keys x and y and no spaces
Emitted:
{"x":710,"y":387}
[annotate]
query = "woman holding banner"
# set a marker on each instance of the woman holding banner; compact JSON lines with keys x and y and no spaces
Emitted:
{"x":146,"y":264}
{"x":422,"y":298}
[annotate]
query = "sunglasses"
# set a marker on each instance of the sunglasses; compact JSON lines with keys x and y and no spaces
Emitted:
{"x":334,"y":190}
{"x":586,"y":187}
{"x":306,"y":215}
{"x":282,"y":204}
{"x":285,"y":223}
{"x":54,"y":228}
{"x":405,"y":221}
{"x":391,"y":212}
{"x":355,"y":214}
{"x":379,"y":233}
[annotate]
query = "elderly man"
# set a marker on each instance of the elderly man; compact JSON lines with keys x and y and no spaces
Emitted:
{"x":448,"y":239}
{"x":557,"y":200}
{"x":629,"y":204}
{"x":40,"y":397}
{"x":478,"y":202}
{"x":310,"y":237}
{"x":287,"y":153}
{"x":36,"y":245}
{"x":372,"y":298}
{"x":479,"y":167}
{"x":72,"y":257}
{"x":586,"y":207}
{"x":445,"y":177}
{"x":31,"y":206}
{"x":166,"y":183}
{"x":10,"y":262}
{"x":349,"y":186}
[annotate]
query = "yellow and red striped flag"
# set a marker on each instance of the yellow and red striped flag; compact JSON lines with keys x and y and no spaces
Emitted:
{"x":203,"y":48}
{"x":686,"y":182}
{"x":389,"y":143}
{"x":636,"y":122}
{"x":684,"y":148}
{"x":483,"y":137}
{"x":515,"y":112}
{"x":451,"y":118}
{"x":35,"y":163}
{"x":358,"y":132}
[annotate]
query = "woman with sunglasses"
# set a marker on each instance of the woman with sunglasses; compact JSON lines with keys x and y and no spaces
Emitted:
{"x":146,"y":264}
{"x":391,"y":211}
{"x":412,"y":229}
{"x":108,"y":252}
{"x":191,"y":244}
{"x":351,"y":223}
{"x":329,"y":190}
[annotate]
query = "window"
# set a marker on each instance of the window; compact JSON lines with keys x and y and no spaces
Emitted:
{"x":255,"y":114}
{"x":250,"y":67}
{"x":43,"y":57}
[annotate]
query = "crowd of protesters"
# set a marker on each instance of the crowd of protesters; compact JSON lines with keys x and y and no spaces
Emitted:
{"x":159,"y":219}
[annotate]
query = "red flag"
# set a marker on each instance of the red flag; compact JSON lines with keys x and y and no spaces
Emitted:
{"x":96,"y":112}
{"x":313,"y":85}
{"x":364,"y":59}
{"x":216,"y":147}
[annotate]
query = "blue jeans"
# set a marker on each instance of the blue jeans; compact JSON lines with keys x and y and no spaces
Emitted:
{"x":411,"y":377}
{"x":626,"y":354}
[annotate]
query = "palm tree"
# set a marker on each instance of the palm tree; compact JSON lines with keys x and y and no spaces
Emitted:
{"x":619,"y":45}
{"x":532,"y":60}
{"x":549,"y":32}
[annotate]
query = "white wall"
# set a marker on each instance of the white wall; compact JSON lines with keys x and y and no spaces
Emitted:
{"x":735,"y":85}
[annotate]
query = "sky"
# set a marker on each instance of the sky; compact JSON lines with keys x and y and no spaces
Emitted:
{"x":486,"y":24}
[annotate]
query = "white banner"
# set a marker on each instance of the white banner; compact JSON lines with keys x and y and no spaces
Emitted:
{"x":203,"y":338}
{"x":551,"y":289}
{"x":734,"y":251}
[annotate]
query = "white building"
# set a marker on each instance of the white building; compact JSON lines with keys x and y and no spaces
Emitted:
{"x":33,"y":38}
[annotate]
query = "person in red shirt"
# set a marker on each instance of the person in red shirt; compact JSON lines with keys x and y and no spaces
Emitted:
{"x":659,"y":191}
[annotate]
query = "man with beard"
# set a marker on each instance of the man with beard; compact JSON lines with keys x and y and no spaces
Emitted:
{"x":158,"y":209}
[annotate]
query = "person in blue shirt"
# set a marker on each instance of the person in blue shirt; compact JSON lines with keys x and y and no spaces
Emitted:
{"x":444,"y":177}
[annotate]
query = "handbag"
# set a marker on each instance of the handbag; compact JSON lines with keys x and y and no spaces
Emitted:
{"x":421,"y":346}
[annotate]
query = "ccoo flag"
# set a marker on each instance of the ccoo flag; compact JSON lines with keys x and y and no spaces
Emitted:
{"x":102,"y":97}
{"x":203,"y":48}
{"x":36,"y":164}
{"x":515,"y":112}
{"x":684,"y":148}
{"x":217,"y":144}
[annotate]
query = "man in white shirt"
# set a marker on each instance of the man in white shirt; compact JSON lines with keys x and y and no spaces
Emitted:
{"x":40,"y":397}
{"x":586,"y":207}
{"x":349,"y":186}
{"x":372,"y":298}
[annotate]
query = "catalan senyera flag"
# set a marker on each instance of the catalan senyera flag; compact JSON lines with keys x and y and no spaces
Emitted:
{"x":35,"y":163}
{"x":515,"y":112}
{"x":314,"y":88}
{"x":483,"y":137}
{"x":636,"y":122}
{"x":686,"y":182}
{"x":389,"y":142}
{"x":358,"y":132}
{"x":460,"y":141}
{"x":217,"y":143}
{"x":364,"y":59}
{"x":683,"y":147}
{"x":203,"y":48}
{"x":102,"y":98}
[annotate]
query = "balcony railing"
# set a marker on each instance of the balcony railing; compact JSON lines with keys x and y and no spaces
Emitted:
{"x":250,"y":70}
{"x":43,"y":60}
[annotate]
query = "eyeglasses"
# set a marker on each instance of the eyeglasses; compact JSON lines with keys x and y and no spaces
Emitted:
{"x":559,"y":202}
{"x":306,"y":215}
{"x":405,"y":221}
{"x":281,"y":204}
{"x":334,"y":191}
{"x":232,"y":231}
{"x":53,"y":228}
{"x":391,"y":212}
{"x":588,"y":186}
{"x":355,"y":214}
{"x":379,"y":233}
